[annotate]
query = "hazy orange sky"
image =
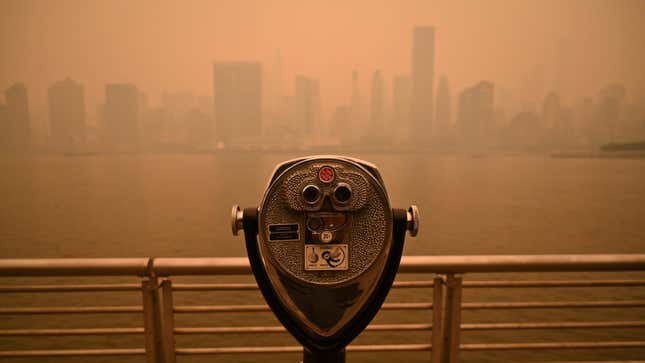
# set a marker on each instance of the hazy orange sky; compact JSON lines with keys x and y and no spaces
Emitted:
{"x":168,"y":45}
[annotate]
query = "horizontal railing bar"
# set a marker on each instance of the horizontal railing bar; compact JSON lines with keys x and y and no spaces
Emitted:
{"x":230,"y":330}
{"x":238,"y":350}
{"x":522,"y":263}
{"x":412,"y":284}
{"x":553,"y":283}
{"x":553,"y":345}
{"x":202,"y":266}
{"x":428,"y":284}
{"x":69,"y":288}
{"x":297,"y":349}
{"x":70,"y":352}
{"x":75,"y":331}
{"x":220,"y":308}
{"x":398,"y":327}
{"x":253,"y":286}
{"x":74,"y":266}
{"x":263,"y":307}
{"x":406,"y":306}
{"x":71,"y":310}
{"x":554,"y":304}
{"x":280,"y":329}
{"x":554,"y":325}
{"x":214,"y":287}
{"x":240,"y":265}
{"x":427,"y":264}
{"x":389,"y":347}
{"x":417,"y":327}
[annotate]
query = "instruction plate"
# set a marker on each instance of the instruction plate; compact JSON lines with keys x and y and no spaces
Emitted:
{"x":326,"y":257}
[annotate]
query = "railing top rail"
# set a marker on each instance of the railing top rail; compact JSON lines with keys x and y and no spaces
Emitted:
{"x":201,"y":266}
{"x":523,"y":263}
{"x":240,"y":265}
{"x":74,"y":267}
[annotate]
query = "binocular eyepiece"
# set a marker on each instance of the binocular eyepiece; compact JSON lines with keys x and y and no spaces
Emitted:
{"x":340,"y":194}
{"x":324,"y":246}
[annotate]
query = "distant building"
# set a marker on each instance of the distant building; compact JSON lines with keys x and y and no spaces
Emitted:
{"x":199,"y":129}
{"x":523,"y":133}
{"x":551,"y":111}
{"x":476,"y":116}
{"x":121,"y":117}
{"x":307,"y":106}
{"x":340,"y":120}
{"x":442,"y":118}
{"x":18,"y":118}
{"x":275,"y":98}
{"x":532,"y":87}
{"x":401,"y":101}
{"x":423,"y":55}
{"x":66,"y":114}
{"x":4,"y":128}
{"x":557,"y":121}
{"x":176,"y":106}
{"x":357,"y":112}
{"x":153,"y":126}
{"x":376,"y":128}
{"x":607,"y":114}
{"x":237,"y":94}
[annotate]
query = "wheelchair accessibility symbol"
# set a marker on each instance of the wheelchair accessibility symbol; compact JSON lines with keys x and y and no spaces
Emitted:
{"x":326,"y":257}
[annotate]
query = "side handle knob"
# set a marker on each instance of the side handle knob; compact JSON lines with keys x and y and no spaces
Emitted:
{"x":237,"y":219}
{"x":413,"y":220}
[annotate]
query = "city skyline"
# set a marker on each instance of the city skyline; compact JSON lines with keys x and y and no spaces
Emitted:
{"x":496,"y":42}
{"x":259,"y":102}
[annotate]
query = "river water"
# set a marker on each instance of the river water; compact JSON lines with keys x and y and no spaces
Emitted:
{"x":179,"y":206}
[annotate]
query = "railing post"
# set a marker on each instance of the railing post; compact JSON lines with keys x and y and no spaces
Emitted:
{"x":452,"y":319}
{"x":437,"y":318}
{"x":150,"y":319}
{"x":167,"y":322}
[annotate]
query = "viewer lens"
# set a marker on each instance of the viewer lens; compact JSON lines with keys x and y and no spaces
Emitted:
{"x":342,"y":193}
{"x":311,"y":194}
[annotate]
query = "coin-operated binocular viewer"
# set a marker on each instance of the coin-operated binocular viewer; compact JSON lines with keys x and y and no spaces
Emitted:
{"x":324,"y":247}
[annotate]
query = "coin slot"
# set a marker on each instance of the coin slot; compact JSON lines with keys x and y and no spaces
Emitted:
{"x":283,"y":227}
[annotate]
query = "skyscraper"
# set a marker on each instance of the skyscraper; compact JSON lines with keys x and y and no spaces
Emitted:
{"x":356,"y":103}
{"x":607,"y":113}
{"x":4,"y":128}
{"x":476,"y":115}
{"x":17,"y":117}
{"x":401,"y":100}
{"x":176,"y":106}
{"x":307,"y":106}
{"x":66,"y":114}
{"x":376,"y":100}
{"x":557,"y":122}
{"x":356,"y":112}
{"x":121,"y":116}
{"x":340,"y":120}
{"x":237,"y":95}
{"x":275,"y":99}
{"x":376,"y":127}
{"x":421,"y":113}
{"x":442,"y":118}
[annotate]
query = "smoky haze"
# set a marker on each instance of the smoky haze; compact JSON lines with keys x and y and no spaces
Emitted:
{"x":128,"y":128}
{"x":525,"y":49}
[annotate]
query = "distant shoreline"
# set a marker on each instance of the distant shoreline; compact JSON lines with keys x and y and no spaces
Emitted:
{"x":601,"y":155}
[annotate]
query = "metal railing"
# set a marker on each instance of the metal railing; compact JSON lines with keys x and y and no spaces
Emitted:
{"x":158,"y":309}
